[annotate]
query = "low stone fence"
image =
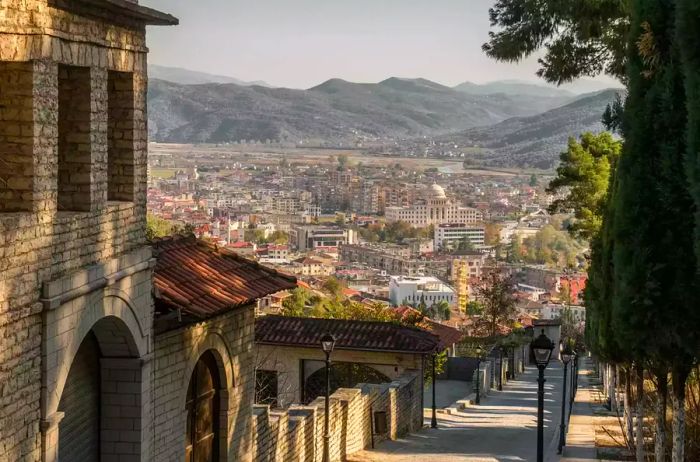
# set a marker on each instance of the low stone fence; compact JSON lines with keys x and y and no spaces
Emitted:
{"x":296,"y":434}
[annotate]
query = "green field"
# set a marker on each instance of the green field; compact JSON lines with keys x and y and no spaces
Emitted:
{"x":164,"y":173}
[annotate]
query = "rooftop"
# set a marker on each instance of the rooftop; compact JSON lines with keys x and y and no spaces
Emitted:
{"x":203,"y":281}
{"x":349,"y":334}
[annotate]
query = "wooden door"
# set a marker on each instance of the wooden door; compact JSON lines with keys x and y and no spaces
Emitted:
{"x":203,"y":412}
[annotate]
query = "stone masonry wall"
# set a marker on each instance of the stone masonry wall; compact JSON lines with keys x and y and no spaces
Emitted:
{"x":297,"y":433}
{"x":39,"y":243}
{"x":230,"y":337}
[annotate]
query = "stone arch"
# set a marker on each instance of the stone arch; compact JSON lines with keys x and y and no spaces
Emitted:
{"x":109,"y":317}
{"x":343,"y":375}
{"x":214,"y":343}
{"x":122,"y":320}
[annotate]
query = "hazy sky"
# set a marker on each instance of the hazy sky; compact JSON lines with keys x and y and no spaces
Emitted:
{"x":301,"y":43}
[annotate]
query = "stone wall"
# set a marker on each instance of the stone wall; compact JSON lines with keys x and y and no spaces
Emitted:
{"x":39,"y":243}
{"x":296,"y":434}
{"x":287,"y":362}
{"x":230,"y":338}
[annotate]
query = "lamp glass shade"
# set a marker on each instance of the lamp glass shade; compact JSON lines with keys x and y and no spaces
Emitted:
{"x":542,"y":348}
{"x":328,"y":343}
{"x":542,"y":355}
{"x":565,"y":358}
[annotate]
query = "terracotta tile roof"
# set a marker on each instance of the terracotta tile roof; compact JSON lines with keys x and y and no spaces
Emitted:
{"x":349,"y":334}
{"x":203,"y":280}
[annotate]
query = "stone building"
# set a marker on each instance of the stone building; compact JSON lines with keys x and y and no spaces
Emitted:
{"x":203,"y":376}
{"x":76,"y":313}
{"x":433,"y":209}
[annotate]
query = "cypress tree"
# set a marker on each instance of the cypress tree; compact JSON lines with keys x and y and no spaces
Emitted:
{"x":653,"y":230}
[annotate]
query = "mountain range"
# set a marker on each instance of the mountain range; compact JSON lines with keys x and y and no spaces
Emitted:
{"x":201,"y":108}
{"x":535,"y":141}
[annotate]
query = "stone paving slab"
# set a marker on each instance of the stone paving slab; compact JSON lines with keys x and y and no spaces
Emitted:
{"x":502,"y":428}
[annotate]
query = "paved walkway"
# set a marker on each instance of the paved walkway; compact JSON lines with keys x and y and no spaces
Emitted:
{"x":502,"y":428}
{"x":580,"y":440}
{"x":446,"y":393}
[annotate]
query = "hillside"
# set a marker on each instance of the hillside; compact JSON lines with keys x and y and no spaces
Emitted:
{"x":333,"y":112}
{"x":189,"y":77}
{"x":514,"y":87}
{"x":534,"y":141}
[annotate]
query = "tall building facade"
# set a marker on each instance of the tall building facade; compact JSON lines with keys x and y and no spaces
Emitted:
{"x":433,"y":209}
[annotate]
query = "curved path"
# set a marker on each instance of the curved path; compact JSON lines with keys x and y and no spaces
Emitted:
{"x":502,"y":428}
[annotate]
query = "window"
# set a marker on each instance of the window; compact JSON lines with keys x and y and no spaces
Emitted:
{"x":203,"y":412}
{"x":120,"y":152}
{"x":266,"y":384}
{"x":16,"y":137}
{"x":74,"y":145}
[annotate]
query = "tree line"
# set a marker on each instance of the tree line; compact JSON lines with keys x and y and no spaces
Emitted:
{"x":637,"y":201}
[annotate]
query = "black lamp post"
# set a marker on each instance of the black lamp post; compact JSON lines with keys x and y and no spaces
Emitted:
{"x":327,"y":344}
{"x":542,"y":348}
{"x":500,"y":369}
{"x":572,"y":395}
{"x":433,"y":419}
{"x":479,"y":352}
{"x":566,"y":355}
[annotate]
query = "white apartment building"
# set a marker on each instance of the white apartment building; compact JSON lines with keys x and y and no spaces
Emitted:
{"x":450,"y":235}
{"x":434,"y":209}
{"x":414,"y":290}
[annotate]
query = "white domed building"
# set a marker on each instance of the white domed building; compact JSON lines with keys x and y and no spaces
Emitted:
{"x":434,"y":208}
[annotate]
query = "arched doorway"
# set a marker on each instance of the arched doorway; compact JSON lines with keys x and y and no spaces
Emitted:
{"x":80,"y":403}
{"x":343,"y":375}
{"x":102,"y":395}
{"x":203,"y":411}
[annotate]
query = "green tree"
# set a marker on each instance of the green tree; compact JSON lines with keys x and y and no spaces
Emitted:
{"x":655,"y":270}
{"x":296,"y":303}
{"x":533,"y":180}
{"x":157,"y":227}
{"x":494,"y":293}
{"x":333,"y":286}
{"x":584,"y":172}
{"x":579,"y":37}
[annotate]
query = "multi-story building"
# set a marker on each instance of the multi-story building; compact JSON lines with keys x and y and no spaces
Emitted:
{"x":395,"y":260}
{"x":433,"y":209}
{"x":320,"y":237}
{"x":419,"y":290}
{"x":452,"y":234}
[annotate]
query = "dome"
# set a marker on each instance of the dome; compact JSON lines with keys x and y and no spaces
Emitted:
{"x":437,"y":192}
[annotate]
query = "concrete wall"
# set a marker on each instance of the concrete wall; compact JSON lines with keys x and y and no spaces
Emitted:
{"x":297,"y":433}
{"x":230,"y":338}
{"x":287,"y":362}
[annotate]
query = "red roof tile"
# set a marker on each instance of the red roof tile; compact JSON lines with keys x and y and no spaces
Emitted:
{"x":203,"y":280}
{"x":349,"y":334}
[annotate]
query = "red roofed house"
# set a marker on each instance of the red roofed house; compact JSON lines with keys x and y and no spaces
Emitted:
{"x":205,"y":299}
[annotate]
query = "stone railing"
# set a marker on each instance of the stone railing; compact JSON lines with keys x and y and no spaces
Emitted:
{"x":297,"y":433}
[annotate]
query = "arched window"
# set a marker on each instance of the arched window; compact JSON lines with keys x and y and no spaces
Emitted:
{"x":202,"y":439}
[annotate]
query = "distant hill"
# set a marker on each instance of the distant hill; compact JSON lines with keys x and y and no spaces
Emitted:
{"x":535,"y":141}
{"x":188,"y":77}
{"x":515,"y":88}
{"x":335,"y":111}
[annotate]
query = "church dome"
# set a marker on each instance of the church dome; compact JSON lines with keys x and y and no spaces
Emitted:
{"x":437,"y":192}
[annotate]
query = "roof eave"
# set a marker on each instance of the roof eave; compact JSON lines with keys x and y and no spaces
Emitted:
{"x":371,"y":350}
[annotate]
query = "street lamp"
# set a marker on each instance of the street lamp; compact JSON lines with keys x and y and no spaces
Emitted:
{"x":479,"y":352}
{"x":566,"y":355}
{"x":500,"y":368}
{"x":433,"y":420}
{"x":542,"y":348}
{"x":572,"y":395}
{"x":327,"y":344}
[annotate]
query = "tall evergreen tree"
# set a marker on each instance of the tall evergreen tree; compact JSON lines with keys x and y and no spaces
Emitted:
{"x":653,"y":259}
